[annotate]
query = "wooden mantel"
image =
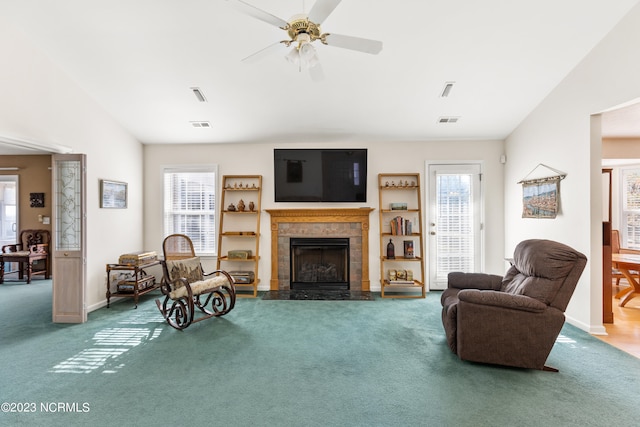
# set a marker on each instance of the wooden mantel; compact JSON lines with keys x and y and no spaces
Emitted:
{"x":327,"y":215}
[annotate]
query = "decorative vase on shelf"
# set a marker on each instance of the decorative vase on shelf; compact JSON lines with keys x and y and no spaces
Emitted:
{"x":252,"y":206}
{"x":241,"y":205}
{"x":391,"y":250}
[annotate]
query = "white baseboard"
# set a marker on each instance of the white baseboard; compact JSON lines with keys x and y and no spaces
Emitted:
{"x":591,"y":329}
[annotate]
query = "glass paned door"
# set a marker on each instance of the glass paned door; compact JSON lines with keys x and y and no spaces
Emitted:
{"x":69,"y":225}
{"x":8,"y":209}
{"x":454,"y":221}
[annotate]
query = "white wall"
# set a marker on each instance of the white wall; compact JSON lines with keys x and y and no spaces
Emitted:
{"x":39,"y":102}
{"x":257,"y":159}
{"x":560,"y":133}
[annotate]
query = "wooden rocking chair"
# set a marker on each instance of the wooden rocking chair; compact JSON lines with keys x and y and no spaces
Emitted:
{"x":186,"y":286}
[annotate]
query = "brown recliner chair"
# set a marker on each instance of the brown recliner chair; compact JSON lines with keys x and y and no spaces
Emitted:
{"x":512,"y":320}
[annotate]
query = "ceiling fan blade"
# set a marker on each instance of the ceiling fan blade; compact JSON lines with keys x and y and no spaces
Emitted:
{"x":262,"y":53}
{"x":354,"y":43}
{"x":321,"y":9}
{"x":260,"y":14}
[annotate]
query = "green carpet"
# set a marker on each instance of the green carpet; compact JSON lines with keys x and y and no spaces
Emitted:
{"x":290,"y":363}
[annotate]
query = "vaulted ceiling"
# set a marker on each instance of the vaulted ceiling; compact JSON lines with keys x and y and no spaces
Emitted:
{"x":139,"y":60}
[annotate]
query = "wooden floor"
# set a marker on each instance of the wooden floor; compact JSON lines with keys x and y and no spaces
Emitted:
{"x":624,"y":332}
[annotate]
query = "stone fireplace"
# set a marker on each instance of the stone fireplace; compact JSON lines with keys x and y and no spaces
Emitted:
{"x":350,"y":224}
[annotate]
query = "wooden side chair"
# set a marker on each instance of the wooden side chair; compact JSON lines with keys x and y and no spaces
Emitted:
{"x":617,"y":249}
{"x":33,"y":246}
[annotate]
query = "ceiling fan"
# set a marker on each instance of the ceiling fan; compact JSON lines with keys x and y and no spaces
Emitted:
{"x":303,"y":30}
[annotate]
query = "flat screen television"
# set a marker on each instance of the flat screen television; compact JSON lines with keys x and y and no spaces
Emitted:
{"x":320,"y":175}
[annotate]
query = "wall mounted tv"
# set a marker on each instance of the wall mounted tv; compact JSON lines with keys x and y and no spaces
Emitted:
{"x":320,"y":175}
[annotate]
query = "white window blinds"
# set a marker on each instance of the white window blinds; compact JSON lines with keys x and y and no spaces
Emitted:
{"x":455,"y":243}
{"x":631,"y":208}
{"x":190,"y":206}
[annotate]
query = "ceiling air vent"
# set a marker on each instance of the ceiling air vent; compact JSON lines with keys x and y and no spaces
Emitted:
{"x":198,"y":94}
{"x":200,"y":124}
{"x":449,"y":119}
{"x":446,"y":90}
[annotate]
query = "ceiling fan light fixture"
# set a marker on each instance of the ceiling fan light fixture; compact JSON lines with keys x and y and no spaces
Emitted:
{"x":304,"y":54}
{"x":308,"y":55}
{"x":293,"y":56}
{"x":304,"y":29}
{"x":303,"y":38}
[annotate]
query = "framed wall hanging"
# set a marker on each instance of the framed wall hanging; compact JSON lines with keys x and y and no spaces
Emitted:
{"x":113,"y":194}
{"x":541,"y":195}
{"x":36,"y":200}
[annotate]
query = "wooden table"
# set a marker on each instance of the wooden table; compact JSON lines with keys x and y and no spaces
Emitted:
{"x":626,"y":263}
{"x":139,"y":283}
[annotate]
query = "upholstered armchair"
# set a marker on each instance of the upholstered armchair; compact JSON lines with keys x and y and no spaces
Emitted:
{"x":512,"y":320}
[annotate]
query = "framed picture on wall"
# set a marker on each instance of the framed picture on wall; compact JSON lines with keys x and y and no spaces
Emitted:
{"x":113,"y":194}
{"x":36,"y":200}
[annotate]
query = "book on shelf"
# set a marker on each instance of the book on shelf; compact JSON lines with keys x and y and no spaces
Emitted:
{"x":401,"y":226}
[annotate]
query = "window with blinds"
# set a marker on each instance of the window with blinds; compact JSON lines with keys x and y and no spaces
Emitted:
{"x":455,"y":245}
{"x":190,"y":206}
{"x":631,"y":208}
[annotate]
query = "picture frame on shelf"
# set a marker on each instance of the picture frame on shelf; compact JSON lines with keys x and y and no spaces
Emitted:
{"x":408,"y":249}
{"x":113,"y":194}
{"x":398,"y":206}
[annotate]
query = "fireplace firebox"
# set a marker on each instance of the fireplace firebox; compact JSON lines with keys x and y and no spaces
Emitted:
{"x":319,"y":263}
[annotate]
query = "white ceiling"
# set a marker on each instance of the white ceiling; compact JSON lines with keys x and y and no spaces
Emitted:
{"x":139,"y":59}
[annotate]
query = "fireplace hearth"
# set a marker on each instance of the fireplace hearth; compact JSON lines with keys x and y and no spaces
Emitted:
{"x":319,"y":263}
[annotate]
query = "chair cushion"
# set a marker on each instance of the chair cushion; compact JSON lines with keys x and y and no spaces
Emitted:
{"x":544,"y":258}
{"x":16,"y":254}
{"x":188,"y":268}
{"x":539,"y":269}
{"x":544,"y":290}
{"x":199,"y":287}
{"x":449,"y":300}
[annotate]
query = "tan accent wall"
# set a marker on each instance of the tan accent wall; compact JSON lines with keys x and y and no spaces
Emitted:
{"x":34,"y":177}
{"x":621,"y":148}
